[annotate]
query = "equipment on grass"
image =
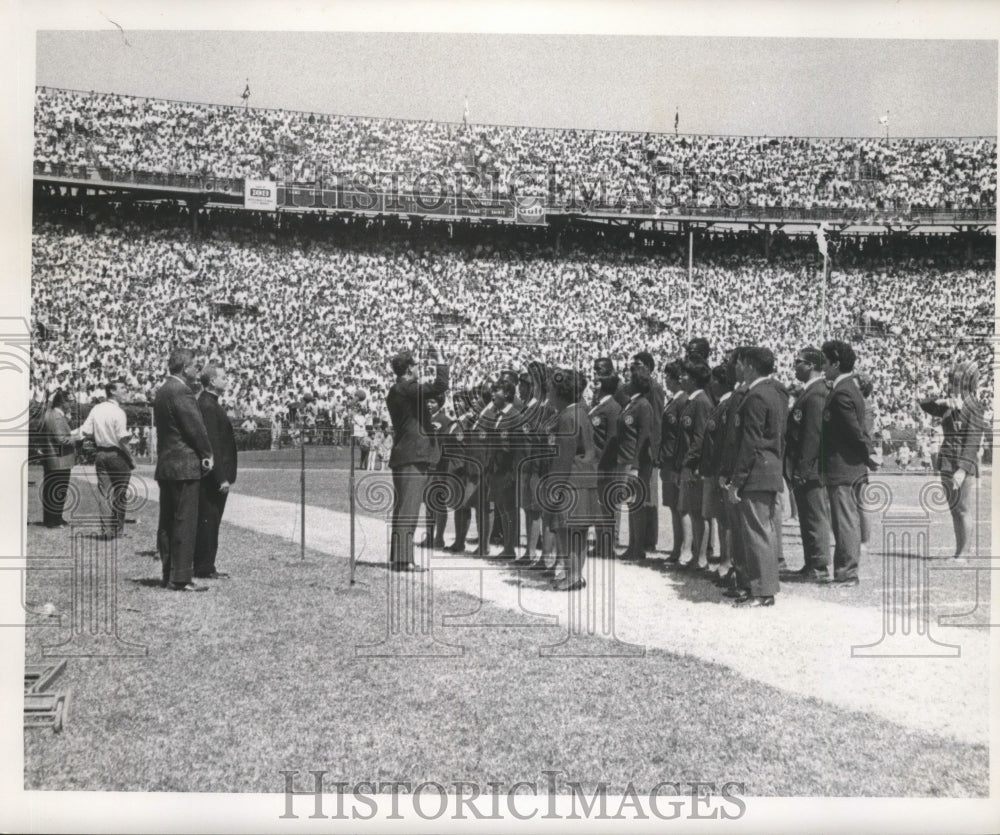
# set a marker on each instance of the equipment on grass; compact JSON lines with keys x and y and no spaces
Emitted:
{"x":45,"y":709}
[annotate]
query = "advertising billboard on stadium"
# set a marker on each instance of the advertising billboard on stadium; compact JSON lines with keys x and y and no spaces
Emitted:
{"x":260,"y":194}
{"x":529,"y":210}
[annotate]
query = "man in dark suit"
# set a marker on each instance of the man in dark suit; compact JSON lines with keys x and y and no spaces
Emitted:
{"x":635,"y":458}
{"x":436,"y":512}
{"x":501,"y":466}
{"x":963,"y":424}
{"x":604,"y":418}
{"x":414,"y":451}
{"x":803,"y":451}
{"x":214,"y":488}
{"x":757,"y":478}
{"x":657,"y":398}
{"x":184,"y":455}
{"x":846,"y":457}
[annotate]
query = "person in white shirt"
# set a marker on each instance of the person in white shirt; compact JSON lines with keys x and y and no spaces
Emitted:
{"x":106,"y":424}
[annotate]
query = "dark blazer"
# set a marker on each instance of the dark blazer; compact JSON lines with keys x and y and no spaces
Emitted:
{"x":730,"y":434}
{"x":693,"y":419}
{"x":845,"y":444}
{"x":60,"y":454}
{"x":803,"y":436}
{"x":414,"y":441}
{"x":670,"y":429}
{"x":604,"y":420}
{"x":657,"y":398}
{"x":711,"y":442}
{"x":504,"y":436}
{"x":181,"y":437}
{"x":760,"y":422}
{"x":574,"y":464}
{"x":220,"y":436}
{"x":635,"y":424}
{"x":963,"y":433}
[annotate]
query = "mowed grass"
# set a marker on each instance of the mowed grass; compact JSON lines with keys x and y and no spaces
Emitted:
{"x":262,"y":674}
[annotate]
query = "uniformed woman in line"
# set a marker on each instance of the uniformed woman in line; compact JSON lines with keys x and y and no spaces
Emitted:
{"x":569,"y":493}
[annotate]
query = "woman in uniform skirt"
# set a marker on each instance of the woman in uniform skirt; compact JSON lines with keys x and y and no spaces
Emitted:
{"x":569,"y":490}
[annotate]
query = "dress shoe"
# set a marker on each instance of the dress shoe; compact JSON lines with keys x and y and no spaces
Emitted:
{"x":439,"y":546}
{"x":846,"y":581}
{"x":407,"y":568}
{"x":454,"y":549}
{"x":506,"y":555}
{"x":567,"y":585}
{"x":215,"y":575}
{"x":673,"y":558}
{"x":524,"y":560}
{"x":736,"y":594}
{"x":789,"y":574}
{"x":752,"y":602}
{"x":187,"y":587}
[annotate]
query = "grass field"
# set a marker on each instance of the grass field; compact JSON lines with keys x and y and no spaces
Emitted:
{"x":260,"y":674}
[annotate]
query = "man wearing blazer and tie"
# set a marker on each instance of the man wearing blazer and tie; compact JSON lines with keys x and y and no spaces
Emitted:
{"x":846,"y":457}
{"x":803,"y":451}
{"x":635,"y":458}
{"x":214,"y":488}
{"x":757,"y":478}
{"x":414,"y":452}
{"x":184,"y":455}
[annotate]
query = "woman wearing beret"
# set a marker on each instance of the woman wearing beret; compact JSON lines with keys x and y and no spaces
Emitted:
{"x":958,"y":461}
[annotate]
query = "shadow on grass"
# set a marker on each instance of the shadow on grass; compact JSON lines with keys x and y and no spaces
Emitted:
{"x":146,"y":582}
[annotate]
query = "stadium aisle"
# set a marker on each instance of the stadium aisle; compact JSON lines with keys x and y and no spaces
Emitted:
{"x":803,"y":645}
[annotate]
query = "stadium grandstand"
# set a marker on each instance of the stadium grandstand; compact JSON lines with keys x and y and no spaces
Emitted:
{"x":305,"y":248}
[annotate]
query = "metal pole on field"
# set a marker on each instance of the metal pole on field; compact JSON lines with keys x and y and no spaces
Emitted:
{"x":302,"y":481}
{"x":350,"y":490}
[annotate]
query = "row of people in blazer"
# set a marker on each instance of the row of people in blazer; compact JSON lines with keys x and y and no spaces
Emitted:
{"x":726,"y":451}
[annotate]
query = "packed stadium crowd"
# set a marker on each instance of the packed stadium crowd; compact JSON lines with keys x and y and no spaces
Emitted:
{"x":127,"y":135}
{"x":307,"y":306}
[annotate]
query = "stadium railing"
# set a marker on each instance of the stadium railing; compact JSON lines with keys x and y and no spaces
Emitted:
{"x":350,"y":200}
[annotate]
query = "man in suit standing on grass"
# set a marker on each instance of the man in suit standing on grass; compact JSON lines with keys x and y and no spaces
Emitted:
{"x":803,"y":453}
{"x":757,"y":475}
{"x":414,"y":452}
{"x":846,"y":456}
{"x":214,"y":486}
{"x":184,"y":455}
